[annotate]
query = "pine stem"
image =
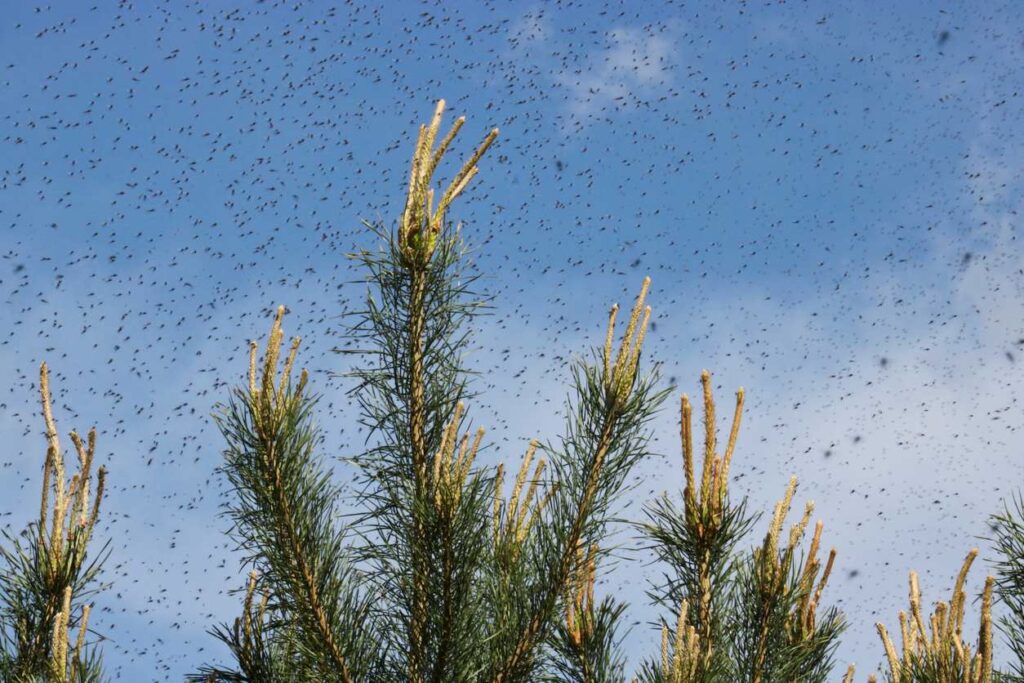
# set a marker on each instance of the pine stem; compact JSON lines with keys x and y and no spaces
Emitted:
{"x":417,"y":419}
{"x":446,"y":597}
{"x":705,"y":606}
{"x":288,"y":532}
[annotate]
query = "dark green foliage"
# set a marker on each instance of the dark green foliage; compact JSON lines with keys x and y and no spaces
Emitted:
{"x":284,"y":521}
{"x":401,"y":528}
{"x":605,"y":438}
{"x":762,"y":605}
{"x":597,"y":655}
{"x":679,"y":549}
{"x":1008,"y":539}
{"x":31,"y":595}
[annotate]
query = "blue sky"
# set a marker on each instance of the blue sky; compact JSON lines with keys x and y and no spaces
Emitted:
{"x":825,"y":195}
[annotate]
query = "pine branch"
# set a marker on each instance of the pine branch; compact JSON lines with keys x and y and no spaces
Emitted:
{"x":684,"y":655}
{"x":48,"y":574}
{"x":1008,"y":539}
{"x":941,"y":655}
{"x":284,"y":517}
{"x":780,"y":635}
{"x":605,"y":439}
{"x":263,"y":647}
{"x":697,"y":545}
{"x":425,"y":551}
{"x":736,"y":618}
{"x":586,"y":645}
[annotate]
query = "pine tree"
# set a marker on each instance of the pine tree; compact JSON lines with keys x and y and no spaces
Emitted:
{"x":47,"y":574}
{"x":442,"y":577}
{"x":451,"y":581}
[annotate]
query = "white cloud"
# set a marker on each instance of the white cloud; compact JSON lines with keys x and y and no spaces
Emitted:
{"x":633,"y":65}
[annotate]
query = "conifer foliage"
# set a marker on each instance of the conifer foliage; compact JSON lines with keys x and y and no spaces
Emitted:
{"x":941,"y":655}
{"x":46,"y":574}
{"x":449,"y":580}
{"x":735,"y":616}
{"x":451,"y":574}
{"x":443,"y":577}
{"x":1008,"y":539}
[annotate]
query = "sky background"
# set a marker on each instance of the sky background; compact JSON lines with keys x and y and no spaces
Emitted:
{"x":825,"y":195}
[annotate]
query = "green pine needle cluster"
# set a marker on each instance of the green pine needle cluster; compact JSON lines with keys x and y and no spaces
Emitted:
{"x":735,"y":616}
